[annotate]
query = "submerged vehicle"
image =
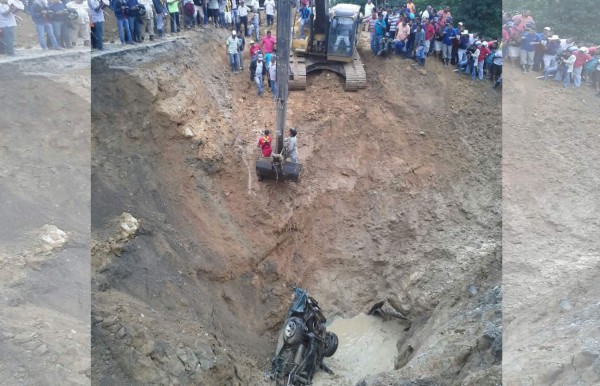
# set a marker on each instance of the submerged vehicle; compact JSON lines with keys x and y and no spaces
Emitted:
{"x":304,"y":343}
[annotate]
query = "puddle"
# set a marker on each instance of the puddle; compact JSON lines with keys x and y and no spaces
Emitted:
{"x":367,"y":346}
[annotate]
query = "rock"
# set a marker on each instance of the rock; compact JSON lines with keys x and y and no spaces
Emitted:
{"x":188,"y":358}
{"x":584,"y":359}
{"x":188,"y":133}
{"x":121,"y":333}
{"x":472,"y":290}
{"x":565,"y":305}
{"x":147,"y":348}
{"x":6,"y":336}
{"x":42,"y":350}
{"x":53,"y":237}
{"x":173,"y":365}
{"x":31,"y":345}
{"x":422,"y":133}
{"x":24,"y":337}
{"x":129,"y":224}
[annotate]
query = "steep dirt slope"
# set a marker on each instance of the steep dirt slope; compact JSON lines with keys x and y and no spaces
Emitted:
{"x":44,"y":183}
{"x":400,"y":198}
{"x":551,"y":309}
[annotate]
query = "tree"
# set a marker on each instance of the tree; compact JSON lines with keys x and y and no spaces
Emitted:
{"x":577,"y":19}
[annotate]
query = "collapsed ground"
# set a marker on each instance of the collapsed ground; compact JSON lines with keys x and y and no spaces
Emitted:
{"x":400,"y":199}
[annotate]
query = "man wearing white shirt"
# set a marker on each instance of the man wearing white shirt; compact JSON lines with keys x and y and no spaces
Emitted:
{"x":82,"y":26}
{"x":8,"y":24}
{"x":368,"y":9}
{"x":270,"y":11}
{"x":242,"y":12}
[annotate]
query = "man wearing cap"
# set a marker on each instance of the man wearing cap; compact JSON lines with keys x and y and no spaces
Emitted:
{"x":463,"y":43}
{"x":232,"y":50}
{"x":484,"y":51}
{"x":551,"y":50}
{"x":540,"y":49}
{"x":259,"y":69}
{"x":581,"y":58}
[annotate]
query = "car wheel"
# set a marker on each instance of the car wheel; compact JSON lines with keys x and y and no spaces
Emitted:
{"x":331,"y":344}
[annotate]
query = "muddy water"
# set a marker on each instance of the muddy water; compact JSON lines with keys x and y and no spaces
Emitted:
{"x":367,"y":345}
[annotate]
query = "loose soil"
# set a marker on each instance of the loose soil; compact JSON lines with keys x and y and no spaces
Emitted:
{"x":551,"y":262}
{"x":400,"y":199}
{"x":44,"y":182}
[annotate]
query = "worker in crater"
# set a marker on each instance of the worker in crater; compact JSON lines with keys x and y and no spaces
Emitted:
{"x":291,"y":145}
{"x":264,"y":143}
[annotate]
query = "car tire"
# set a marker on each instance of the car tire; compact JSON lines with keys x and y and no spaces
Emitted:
{"x":331,"y":344}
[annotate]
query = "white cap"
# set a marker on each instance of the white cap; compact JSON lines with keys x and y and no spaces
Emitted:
{"x":233,"y":33}
{"x":584,"y":49}
{"x":547,"y":29}
{"x":465,"y":32}
{"x":460,"y":23}
{"x":485,"y":44}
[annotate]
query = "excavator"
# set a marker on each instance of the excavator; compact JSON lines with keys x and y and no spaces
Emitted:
{"x":277,"y":167}
{"x":329,"y":45}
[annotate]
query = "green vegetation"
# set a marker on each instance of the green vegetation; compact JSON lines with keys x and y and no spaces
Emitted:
{"x":577,"y":19}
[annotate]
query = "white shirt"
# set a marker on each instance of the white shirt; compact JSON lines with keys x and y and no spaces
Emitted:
{"x":242,"y":10}
{"x":369,"y":9}
{"x":7,"y":21}
{"x":259,"y":68}
{"x":273,"y":71}
{"x":270,"y":7}
{"x":253,"y":4}
{"x":83,"y":10}
{"x":425,"y":15}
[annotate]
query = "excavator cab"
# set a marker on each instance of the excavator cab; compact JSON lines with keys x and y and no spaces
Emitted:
{"x":343,"y":32}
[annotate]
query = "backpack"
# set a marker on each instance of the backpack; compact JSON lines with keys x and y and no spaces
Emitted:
{"x":189,"y":9}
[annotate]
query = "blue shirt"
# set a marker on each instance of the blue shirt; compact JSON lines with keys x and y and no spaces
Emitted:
{"x":449,"y":34}
{"x":380,"y":27}
{"x":527,"y":40}
{"x":132,"y":4}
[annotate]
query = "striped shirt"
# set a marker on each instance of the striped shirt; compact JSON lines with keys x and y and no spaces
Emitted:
{"x":393,"y":21}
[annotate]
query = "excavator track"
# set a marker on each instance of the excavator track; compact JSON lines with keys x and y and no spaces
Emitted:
{"x":297,"y":79}
{"x":356,"y":77}
{"x":353,"y":72}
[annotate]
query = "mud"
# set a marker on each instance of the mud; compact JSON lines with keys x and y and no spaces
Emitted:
{"x":400,"y":199}
{"x":367,"y":347}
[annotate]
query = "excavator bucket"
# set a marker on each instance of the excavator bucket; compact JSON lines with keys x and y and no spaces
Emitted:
{"x":266,"y":168}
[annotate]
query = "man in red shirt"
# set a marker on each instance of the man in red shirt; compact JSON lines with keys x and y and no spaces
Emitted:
{"x":522,"y":20}
{"x":253,"y":48}
{"x":264,"y":143}
{"x":483,"y":53}
{"x":429,"y":32}
{"x":268,"y":43}
{"x":581,"y":58}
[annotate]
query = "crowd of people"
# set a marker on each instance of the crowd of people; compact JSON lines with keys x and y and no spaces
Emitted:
{"x":405,"y":32}
{"x":541,"y":50}
{"x":61,"y":23}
